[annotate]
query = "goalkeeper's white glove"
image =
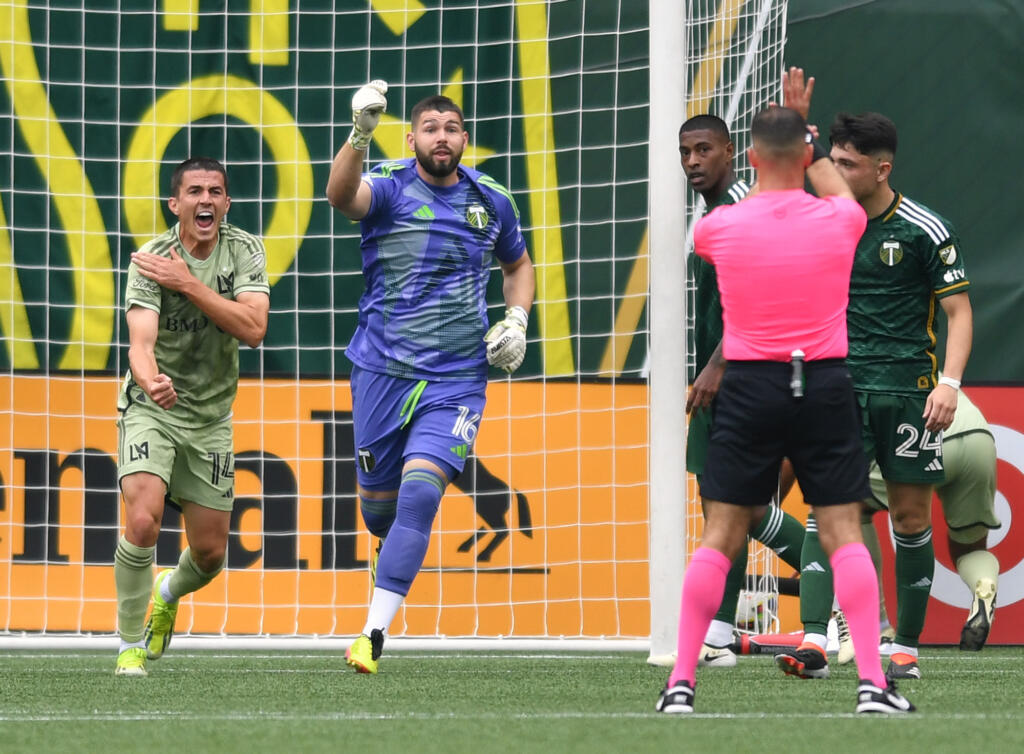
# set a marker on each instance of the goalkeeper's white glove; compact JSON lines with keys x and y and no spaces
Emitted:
{"x":506,"y":341}
{"x":368,"y":104}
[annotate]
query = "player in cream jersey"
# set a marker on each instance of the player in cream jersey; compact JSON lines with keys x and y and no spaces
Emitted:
{"x":192,"y":294}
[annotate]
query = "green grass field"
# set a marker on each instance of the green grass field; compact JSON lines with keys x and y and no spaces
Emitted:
{"x":212,"y":701}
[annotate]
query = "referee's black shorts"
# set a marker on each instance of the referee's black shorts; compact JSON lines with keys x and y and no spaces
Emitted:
{"x":758,"y":422}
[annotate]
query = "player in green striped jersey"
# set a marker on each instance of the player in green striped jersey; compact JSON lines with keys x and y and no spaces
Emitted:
{"x":706,"y":153}
{"x":192,"y":294}
{"x":908,"y":259}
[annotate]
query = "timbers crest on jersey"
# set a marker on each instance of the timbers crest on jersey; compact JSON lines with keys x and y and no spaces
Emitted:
{"x":477,"y":216}
{"x":891,"y":253}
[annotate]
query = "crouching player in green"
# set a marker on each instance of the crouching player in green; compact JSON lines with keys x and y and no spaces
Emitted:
{"x":192,"y":294}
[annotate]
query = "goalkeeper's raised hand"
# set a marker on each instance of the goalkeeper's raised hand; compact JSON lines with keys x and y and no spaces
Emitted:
{"x":506,"y":341}
{"x":368,"y":104}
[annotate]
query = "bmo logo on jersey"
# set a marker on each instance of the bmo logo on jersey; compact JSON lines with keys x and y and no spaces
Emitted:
{"x":465,"y":427}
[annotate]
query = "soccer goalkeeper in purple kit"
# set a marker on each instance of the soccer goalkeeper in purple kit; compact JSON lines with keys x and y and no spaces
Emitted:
{"x":430,"y":231}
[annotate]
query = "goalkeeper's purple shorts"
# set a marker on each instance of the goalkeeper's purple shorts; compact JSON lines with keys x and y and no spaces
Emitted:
{"x":396,"y":419}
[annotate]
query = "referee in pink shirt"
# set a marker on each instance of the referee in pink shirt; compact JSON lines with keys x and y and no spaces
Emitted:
{"x":783,"y":259}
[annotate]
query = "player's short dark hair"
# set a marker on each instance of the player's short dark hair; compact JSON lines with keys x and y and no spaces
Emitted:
{"x":197,"y":163}
{"x":779,"y":131}
{"x":868,"y":133}
{"x":706,"y":122}
{"x":437,"y":102}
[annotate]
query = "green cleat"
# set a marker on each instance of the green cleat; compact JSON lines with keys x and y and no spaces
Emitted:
{"x":132,"y":662}
{"x":160,"y":626}
{"x":365,"y":651}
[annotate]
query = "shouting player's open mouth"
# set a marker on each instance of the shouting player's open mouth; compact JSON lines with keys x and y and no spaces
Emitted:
{"x":204,"y":219}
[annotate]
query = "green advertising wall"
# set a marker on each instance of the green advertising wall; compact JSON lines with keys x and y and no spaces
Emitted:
{"x":99,"y":104}
{"x":132,"y":93}
{"x":950,"y":74}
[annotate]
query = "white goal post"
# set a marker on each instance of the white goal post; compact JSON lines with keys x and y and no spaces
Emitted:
{"x":723,"y":58}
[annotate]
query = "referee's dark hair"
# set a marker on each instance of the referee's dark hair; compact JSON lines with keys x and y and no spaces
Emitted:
{"x":868,"y":133}
{"x":706,"y":122}
{"x":779,"y":132}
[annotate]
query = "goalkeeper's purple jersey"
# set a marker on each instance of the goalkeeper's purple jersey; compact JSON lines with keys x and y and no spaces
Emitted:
{"x":427,"y":253}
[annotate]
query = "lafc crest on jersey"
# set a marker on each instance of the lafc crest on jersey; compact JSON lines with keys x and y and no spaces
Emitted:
{"x":891,"y":253}
{"x":477,"y":216}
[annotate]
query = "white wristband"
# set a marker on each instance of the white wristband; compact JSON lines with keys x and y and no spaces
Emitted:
{"x":944,"y":380}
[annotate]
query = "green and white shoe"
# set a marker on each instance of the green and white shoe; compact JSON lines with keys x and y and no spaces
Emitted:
{"x":132,"y":662}
{"x":160,"y":626}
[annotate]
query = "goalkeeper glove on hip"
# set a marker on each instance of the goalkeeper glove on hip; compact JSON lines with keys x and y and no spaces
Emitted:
{"x":506,"y":341}
{"x":368,"y":104}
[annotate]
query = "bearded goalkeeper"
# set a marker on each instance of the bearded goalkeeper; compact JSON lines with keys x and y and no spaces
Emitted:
{"x":430,"y":230}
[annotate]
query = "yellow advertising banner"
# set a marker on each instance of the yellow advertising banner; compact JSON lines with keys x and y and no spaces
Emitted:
{"x":544,"y":534}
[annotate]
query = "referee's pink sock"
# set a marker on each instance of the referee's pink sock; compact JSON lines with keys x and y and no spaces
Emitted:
{"x":857,"y":591}
{"x":703,"y":588}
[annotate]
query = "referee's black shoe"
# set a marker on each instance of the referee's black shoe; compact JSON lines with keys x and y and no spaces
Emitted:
{"x":676,"y":700}
{"x":872,"y":699}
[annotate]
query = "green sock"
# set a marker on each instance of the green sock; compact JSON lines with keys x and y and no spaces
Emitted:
{"x":133,"y":579}
{"x":816,"y":592}
{"x":915,"y":569}
{"x":187,"y":577}
{"x":734,"y":581}
{"x":782,"y":533}
{"x":870,"y":537}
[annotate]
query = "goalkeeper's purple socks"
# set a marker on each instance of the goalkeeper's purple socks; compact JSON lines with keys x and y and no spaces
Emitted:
{"x":406,"y":545}
{"x":857,"y":590}
{"x":703,"y":587}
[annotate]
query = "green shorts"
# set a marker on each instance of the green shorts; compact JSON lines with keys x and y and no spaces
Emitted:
{"x":196,"y":464}
{"x":698,"y":435}
{"x":967,"y":495}
{"x":893,"y":433}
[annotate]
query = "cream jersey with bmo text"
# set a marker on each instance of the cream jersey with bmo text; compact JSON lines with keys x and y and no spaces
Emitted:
{"x":200,"y":358}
